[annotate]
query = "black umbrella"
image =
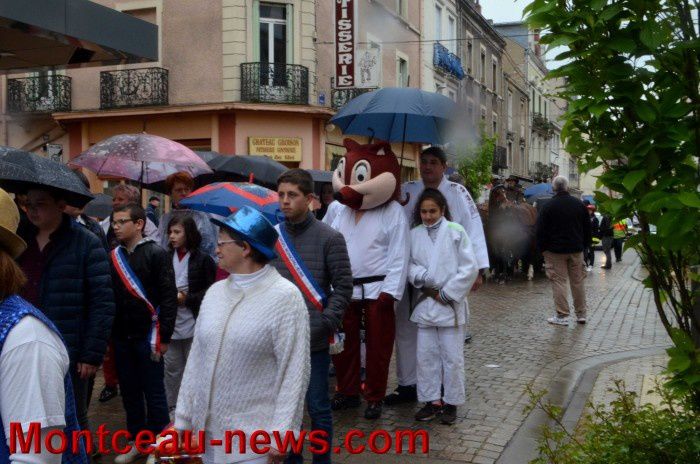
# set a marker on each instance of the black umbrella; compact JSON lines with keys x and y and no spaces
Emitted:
{"x":100,"y":207}
{"x":22,"y":170}
{"x":321,"y":177}
{"x":264,"y":170}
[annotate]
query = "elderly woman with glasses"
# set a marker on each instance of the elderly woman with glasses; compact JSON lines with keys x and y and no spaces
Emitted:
{"x":248,"y":368}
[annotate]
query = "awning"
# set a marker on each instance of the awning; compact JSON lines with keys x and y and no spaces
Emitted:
{"x":71,"y":33}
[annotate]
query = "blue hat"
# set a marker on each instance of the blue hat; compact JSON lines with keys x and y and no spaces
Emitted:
{"x":252,"y":227}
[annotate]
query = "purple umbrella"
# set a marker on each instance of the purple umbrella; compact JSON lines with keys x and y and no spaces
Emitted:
{"x":143,"y":158}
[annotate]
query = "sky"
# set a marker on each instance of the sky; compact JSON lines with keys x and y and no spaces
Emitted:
{"x":503,"y":10}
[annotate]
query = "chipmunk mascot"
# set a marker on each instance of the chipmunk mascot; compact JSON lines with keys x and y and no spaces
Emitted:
{"x":367,"y":213}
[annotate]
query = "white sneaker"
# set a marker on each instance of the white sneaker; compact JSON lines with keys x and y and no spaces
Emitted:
{"x":129,"y":457}
{"x":558,"y":320}
{"x":581,"y":320}
{"x":589,"y":268}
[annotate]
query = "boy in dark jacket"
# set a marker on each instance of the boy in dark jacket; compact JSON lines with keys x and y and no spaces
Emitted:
{"x":68,"y":280}
{"x":137,"y":352}
{"x":324,"y":253}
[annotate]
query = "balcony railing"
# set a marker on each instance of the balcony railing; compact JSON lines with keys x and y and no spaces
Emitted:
{"x":133,"y":87}
{"x":542,"y":172}
{"x":42,"y":94}
{"x":447,"y":61}
{"x":340,"y":97}
{"x":274,"y":83}
{"x":542,"y":126}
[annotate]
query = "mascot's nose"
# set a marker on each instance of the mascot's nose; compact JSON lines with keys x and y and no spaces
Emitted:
{"x":349,"y":197}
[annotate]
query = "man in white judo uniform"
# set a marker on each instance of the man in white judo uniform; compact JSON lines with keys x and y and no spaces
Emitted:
{"x":433,"y":163}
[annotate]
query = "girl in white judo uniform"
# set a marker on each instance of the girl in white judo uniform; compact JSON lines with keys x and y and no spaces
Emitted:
{"x":442,"y":270}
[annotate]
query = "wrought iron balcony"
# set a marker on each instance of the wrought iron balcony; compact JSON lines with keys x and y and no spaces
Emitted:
{"x":340,"y":97}
{"x":133,"y":87}
{"x":447,"y":61}
{"x":42,"y":94}
{"x":274,"y":83}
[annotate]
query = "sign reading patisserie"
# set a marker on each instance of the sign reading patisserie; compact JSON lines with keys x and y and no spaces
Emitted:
{"x":283,"y":149}
{"x":344,"y":43}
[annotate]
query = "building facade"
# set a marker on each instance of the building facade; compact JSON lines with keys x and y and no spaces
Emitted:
{"x":234,"y":76}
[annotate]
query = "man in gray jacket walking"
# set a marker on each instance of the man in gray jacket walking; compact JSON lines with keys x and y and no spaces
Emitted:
{"x":323,"y":253}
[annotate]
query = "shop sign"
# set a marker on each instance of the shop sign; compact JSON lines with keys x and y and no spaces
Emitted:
{"x":344,"y":43}
{"x":282,"y":149}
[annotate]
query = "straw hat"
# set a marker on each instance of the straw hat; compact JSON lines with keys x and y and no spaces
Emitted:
{"x":9,"y":220}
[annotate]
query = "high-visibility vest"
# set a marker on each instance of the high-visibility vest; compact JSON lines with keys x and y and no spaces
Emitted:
{"x":620,"y":229}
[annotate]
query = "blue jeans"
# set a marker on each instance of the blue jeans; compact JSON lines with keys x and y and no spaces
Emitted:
{"x":141,"y":378}
{"x":318,"y":405}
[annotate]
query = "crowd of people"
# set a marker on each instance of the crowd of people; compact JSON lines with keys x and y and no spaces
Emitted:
{"x":207,"y":322}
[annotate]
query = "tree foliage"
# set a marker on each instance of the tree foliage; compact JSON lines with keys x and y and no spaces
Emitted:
{"x":474,"y":164}
{"x":631,"y":81}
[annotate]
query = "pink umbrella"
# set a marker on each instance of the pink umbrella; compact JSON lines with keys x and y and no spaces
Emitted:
{"x":143,"y":158}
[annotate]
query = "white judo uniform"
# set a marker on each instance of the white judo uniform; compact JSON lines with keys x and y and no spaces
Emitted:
{"x":445,"y":261}
{"x":463,"y":211}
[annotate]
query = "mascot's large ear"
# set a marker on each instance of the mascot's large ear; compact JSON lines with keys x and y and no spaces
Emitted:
{"x":382,"y":148}
{"x":351,"y":145}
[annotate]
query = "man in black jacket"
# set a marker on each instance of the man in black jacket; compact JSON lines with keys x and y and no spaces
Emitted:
{"x":563,"y":233}
{"x":139,"y":364}
{"x":68,"y":280}
{"x":324,"y":253}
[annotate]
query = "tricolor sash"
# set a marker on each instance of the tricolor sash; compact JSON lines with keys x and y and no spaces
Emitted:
{"x":133,"y":285}
{"x":305,"y":281}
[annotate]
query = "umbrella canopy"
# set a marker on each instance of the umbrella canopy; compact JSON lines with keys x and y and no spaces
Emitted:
{"x":143,"y":158}
{"x":21,"y":170}
{"x":321,"y":177}
{"x":539,"y":189}
{"x":225,"y":198}
{"x":199,"y":181}
{"x":399,"y":114}
{"x":100,"y":207}
{"x":265,"y":170}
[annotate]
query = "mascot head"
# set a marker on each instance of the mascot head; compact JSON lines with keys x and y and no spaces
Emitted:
{"x":367,"y":176}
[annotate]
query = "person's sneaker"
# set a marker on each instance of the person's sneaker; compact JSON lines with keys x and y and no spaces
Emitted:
{"x":427,"y":412}
{"x":589,"y":268}
{"x":605,"y":266}
{"x":448,"y":414}
{"x":581,"y":320}
{"x":374,"y":410}
{"x":341,"y":401}
{"x":108,"y":393}
{"x":558,"y":320}
{"x":403,"y":394}
{"x":128,"y":457}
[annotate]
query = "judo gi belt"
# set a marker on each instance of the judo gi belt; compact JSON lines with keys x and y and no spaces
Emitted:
{"x":424,"y":295}
{"x":361,"y":281}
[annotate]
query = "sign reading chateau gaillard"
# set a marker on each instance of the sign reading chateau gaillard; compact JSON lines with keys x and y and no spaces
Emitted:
{"x":344,"y":43}
{"x":286,"y":149}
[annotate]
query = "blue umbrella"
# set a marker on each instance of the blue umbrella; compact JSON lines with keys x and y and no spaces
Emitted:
{"x":539,"y":189}
{"x":225,"y":198}
{"x":399,"y":114}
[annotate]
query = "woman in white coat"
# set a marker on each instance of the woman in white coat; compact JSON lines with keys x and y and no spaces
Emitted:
{"x":442,"y":270}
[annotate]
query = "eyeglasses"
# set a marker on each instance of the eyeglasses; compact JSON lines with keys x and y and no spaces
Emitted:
{"x":120,"y":222}
{"x":224,"y":242}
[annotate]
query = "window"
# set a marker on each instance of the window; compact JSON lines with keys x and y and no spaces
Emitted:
{"x":522,"y":160}
{"x":494,"y":123}
{"x":470,"y":52}
{"x":532,"y":101}
{"x":545,"y":108}
{"x":509,"y":104}
{"x":401,"y":72}
{"x":510,"y":155}
{"x":522,"y":118}
{"x":451,"y":34}
{"x":273,"y":43}
{"x":401,"y":7}
{"x":539,"y":104}
{"x":452,"y":95}
{"x":494,"y":75}
{"x":438,"y":22}
{"x":482,"y":68}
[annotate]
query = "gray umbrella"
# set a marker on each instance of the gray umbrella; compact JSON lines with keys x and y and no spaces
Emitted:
{"x":22,"y":170}
{"x":100,"y":207}
{"x":321,"y":177}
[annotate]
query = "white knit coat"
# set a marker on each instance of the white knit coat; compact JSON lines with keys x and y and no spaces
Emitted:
{"x":249,"y":365}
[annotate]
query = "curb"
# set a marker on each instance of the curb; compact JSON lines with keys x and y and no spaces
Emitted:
{"x":571,"y":388}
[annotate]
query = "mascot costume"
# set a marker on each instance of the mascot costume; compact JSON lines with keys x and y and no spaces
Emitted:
{"x":367,"y":213}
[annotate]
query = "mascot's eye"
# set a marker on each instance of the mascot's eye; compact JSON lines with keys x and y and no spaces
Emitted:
{"x":361,"y":172}
{"x":340,"y":169}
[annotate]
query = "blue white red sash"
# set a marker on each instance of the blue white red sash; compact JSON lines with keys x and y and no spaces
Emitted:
{"x":301,"y":274}
{"x":133,"y":285}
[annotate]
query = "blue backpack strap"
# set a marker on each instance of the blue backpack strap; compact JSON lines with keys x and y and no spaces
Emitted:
{"x":12,"y":310}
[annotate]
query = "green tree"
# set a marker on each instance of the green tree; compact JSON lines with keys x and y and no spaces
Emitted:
{"x":475,"y":164}
{"x":631,"y":81}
